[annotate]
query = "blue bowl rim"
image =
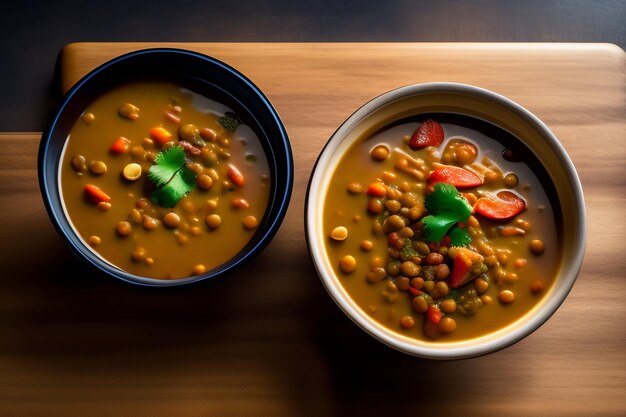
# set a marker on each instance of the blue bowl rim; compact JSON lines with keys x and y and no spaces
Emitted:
{"x":96,"y":261}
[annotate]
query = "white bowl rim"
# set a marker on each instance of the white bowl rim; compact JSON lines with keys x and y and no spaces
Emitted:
{"x":444,"y":350}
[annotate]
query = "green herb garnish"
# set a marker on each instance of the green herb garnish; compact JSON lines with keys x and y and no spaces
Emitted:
{"x":229,"y":121}
{"x":171,"y":176}
{"x":446,"y":207}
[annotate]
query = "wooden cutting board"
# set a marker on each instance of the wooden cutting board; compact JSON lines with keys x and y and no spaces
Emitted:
{"x":269,"y":341}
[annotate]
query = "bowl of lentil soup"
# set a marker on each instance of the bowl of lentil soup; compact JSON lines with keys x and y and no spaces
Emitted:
{"x":445,"y":220}
{"x":165,"y":167}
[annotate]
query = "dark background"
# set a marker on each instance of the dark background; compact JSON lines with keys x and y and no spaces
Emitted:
{"x":33,"y":32}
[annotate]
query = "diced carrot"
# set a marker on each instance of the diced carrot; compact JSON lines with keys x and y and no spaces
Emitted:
{"x":120,"y":145}
{"x":235,"y":175}
{"x":96,"y":194}
{"x":376,"y":189}
{"x":160,"y":135}
{"x":240,"y":203}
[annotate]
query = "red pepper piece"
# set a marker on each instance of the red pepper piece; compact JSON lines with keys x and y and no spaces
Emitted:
{"x":429,"y":133}
{"x":120,"y":145}
{"x":460,"y":273}
{"x":414,"y":291}
{"x":507,"y":205}
{"x":96,"y":194}
{"x":459,"y":177}
{"x":376,"y":189}
{"x":431,"y":322}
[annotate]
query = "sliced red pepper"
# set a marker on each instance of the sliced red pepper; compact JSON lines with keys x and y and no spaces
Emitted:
{"x":459,"y":177}
{"x":120,"y":145}
{"x":431,"y":322}
{"x":429,"y":133}
{"x":414,"y":291}
{"x":96,"y":194}
{"x":376,"y":189}
{"x":507,"y":205}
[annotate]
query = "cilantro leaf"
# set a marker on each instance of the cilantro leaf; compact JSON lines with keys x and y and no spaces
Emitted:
{"x":171,"y":176}
{"x":436,"y":227}
{"x":229,"y":121}
{"x":447,"y":200}
{"x":446,"y":207}
{"x":459,"y":237}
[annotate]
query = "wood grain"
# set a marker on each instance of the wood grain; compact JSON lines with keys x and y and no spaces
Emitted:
{"x":269,"y":341}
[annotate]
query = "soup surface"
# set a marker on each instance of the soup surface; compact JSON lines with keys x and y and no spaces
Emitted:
{"x":163,"y":182}
{"x":439,"y":231}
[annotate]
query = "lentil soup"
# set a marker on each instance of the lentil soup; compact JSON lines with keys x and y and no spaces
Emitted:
{"x":439,"y":231}
{"x":163,"y":182}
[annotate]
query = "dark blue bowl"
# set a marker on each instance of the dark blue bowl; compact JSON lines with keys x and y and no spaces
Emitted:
{"x":204,"y":75}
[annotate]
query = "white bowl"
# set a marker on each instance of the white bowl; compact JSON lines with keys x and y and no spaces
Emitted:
{"x":491,"y":107}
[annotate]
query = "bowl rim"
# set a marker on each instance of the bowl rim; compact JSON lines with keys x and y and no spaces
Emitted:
{"x":282,"y":196}
{"x":394,"y":340}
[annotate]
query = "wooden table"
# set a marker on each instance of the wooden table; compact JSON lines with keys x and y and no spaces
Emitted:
{"x":269,"y":341}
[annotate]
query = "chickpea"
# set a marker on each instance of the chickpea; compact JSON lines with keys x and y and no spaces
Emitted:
{"x":393,"y":206}
{"x":104,"y":206}
{"x":348,"y":264}
{"x":433,"y":258}
{"x":407,"y":322}
{"x":355,"y":188}
{"x":417,"y":282}
{"x":128,"y":111}
{"x":213,"y":221}
{"x":393,"y":223}
{"x":136,"y":216}
{"x":250,"y":222}
{"x":429,"y":286}
{"x":88,"y":118}
{"x":409,"y":269}
{"x":376,"y":274}
{"x":149,"y":261}
{"x":208,"y":134}
{"x":511,"y":180}
{"x":138,"y":254}
{"x":204,"y":182}
{"x":98,"y":168}
{"x":420,"y":304}
{"x":379,"y":153}
{"x":393,"y":269}
{"x":402,"y":283}
{"x":446,"y":325}
{"x":339,"y":233}
{"x":367,"y":245}
{"x":536,"y":287}
{"x":506,"y":296}
{"x":377,"y":262}
{"x":171,"y":220}
{"x":441,"y":287}
{"x":94,"y":241}
{"x":537,"y":246}
{"x":491,"y":177}
{"x":123,"y":228}
{"x":406,"y":232}
{"x":466,"y":153}
{"x":199,"y":269}
{"x":375,"y":205}
{"x":211,"y":204}
{"x":448,"y":306}
{"x":79,"y":163}
{"x":421,"y":248}
{"x":442,"y":271}
{"x":519,"y":263}
{"x":188,"y":132}
{"x":150,"y":223}
{"x":480,"y":285}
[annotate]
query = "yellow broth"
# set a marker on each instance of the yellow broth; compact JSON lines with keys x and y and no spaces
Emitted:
{"x":349,"y":209}
{"x":163,"y":252}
